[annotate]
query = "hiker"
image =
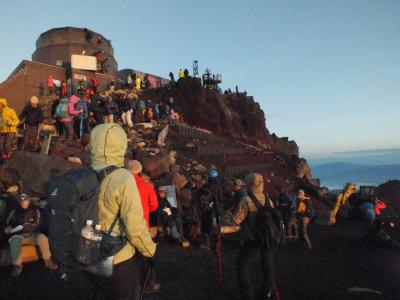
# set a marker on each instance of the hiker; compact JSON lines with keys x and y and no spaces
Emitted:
{"x":304,"y":213}
{"x":186,"y":73}
{"x":129,"y":82}
{"x":66,"y":112}
{"x":284,"y":204}
{"x":127,"y":109}
{"x":8,"y":129}
{"x":33,"y":117}
{"x":208,"y":200}
{"x":181,"y":74}
{"x":64,"y":88}
{"x":119,"y":195}
{"x":244,"y":219}
{"x":96,"y":109}
{"x":239,"y":191}
{"x":81,"y":87}
{"x":95,"y":84}
{"x":27,"y":216}
{"x":109,"y":109}
{"x":82,"y":120}
{"x":138,"y":83}
{"x":172,"y":79}
{"x":149,"y":114}
{"x":50,"y":84}
{"x":57,"y":123}
{"x":169,"y":218}
{"x":341,"y":200}
{"x":291,"y":229}
{"x":146,"y":191}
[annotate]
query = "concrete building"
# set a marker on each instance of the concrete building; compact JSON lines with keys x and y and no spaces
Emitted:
{"x":52,"y":56}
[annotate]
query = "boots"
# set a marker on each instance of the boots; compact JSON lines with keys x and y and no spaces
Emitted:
{"x":49,"y":264}
{"x":206,"y":245}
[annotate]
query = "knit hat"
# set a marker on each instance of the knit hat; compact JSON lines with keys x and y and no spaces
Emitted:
{"x":34,"y":100}
{"x":162,"y":189}
{"x":23,"y":197}
{"x":134,"y":166}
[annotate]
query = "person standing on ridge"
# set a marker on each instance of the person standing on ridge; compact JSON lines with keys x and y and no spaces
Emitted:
{"x":8,"y":128}
{"x":33,"y":116}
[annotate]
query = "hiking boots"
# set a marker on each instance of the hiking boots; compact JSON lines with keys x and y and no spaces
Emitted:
{"x":17,"y":270}
{"x":183,"y":242}
{"x":49,"y":264}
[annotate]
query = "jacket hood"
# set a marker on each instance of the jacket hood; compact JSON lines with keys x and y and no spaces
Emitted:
{"x":108,"y":144}
{"x":255,"y":182}
{"x":74,"y":99}
{"x":4,"y":101}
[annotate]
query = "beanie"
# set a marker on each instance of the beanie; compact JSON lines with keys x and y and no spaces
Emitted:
{"x":134,"y":166}
{"x":34,"y":100}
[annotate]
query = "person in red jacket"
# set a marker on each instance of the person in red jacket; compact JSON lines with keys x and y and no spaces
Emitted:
{"x":146,"y":190}
{"x":149,"y":204}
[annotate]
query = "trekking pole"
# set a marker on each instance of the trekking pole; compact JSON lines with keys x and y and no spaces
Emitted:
{"x":145,"y":281}
{"x":218,"y":250}
{"x":81,"y":127}
{"x":37,"y":139}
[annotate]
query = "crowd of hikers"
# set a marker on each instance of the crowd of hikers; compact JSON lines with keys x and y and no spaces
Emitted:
{"x":120,"y":217}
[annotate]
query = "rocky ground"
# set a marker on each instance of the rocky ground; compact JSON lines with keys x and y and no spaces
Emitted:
{"x":342,"y":259}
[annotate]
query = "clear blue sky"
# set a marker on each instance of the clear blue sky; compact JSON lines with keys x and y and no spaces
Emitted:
{"x":327,"y":73}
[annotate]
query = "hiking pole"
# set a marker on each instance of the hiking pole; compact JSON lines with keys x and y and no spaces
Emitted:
{"x":145,"y":281}
{"x":37,"y":139}
{"x":218,"y":250}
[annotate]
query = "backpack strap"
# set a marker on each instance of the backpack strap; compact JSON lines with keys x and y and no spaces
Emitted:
{"x":101,"y":175}
{"x":254,"y":199}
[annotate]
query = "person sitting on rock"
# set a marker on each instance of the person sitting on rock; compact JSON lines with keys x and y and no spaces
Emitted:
{"x":169,"y":219}
{"x":23,"y":226}
{"x":304,"y":213}
{"x":33,"y":116}
{"x":8,"y":129}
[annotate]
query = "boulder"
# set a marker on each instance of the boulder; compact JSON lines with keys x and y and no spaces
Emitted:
{"x":33,"y":170}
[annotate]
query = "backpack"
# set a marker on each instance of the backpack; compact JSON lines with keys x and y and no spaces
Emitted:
{"x":283,"y":200}
{"x":73,"y":199}
{"x":205,"y":199}
{"x":268,"y":225}
{"x":62,"y":110}
{"x":310,"y":211}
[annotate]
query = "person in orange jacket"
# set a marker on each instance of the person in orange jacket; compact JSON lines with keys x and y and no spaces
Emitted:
{"x":146,"y":191}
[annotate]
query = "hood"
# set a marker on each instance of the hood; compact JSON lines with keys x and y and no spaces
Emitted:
{"x":74,"y":99}
{"x":255,"y":182}
{"x":108,"y":144}
{"x":4,"y":101}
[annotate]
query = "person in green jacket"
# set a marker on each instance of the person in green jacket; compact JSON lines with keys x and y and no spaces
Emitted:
{"x":119,"y":196}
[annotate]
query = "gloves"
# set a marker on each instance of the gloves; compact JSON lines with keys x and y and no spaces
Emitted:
{"x":167,"y":210}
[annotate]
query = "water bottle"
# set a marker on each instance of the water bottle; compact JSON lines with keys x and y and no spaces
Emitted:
{"x":97,"y":234}
{"x":87,"y":233}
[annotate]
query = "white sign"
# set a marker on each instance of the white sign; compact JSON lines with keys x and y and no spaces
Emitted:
{"x":84,"y":62}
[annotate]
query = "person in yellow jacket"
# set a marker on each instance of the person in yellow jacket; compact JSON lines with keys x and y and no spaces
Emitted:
{"x":138,"y":83}
{"x":8,"y":128}
{"x":348,"y":190}
{"x":119,"y":195}
{"x":181,"y":73}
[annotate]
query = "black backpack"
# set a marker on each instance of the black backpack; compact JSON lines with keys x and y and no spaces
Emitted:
{"x":268,"y":225}
{"x":73,"y":199}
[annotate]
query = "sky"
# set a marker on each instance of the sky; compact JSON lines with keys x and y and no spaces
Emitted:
{"x":326,"y":73}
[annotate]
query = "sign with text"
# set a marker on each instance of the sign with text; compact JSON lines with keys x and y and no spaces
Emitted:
{"x":84,"y":62}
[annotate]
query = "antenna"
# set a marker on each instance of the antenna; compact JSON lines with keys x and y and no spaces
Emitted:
{"x":196,"y":68}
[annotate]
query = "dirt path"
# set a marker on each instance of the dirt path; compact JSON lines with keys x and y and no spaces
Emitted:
{"x":341,"y":259}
